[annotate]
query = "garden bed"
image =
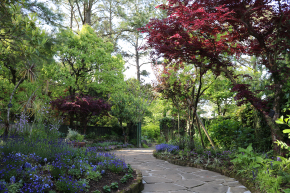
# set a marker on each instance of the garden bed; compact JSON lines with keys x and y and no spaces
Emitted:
{"x":55,"y":166}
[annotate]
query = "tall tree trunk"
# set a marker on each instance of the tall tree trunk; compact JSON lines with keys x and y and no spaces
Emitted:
{"x":178,"y":120}
{"x":123,"y":129}
{"x":198,"y":126}
{"x":137,"y":60}
{"x":204,"y":129}
{"x":72,"y":93}
{"x":71,"y":17}
{"x":111,"y":21}
{"x":8,"y":111}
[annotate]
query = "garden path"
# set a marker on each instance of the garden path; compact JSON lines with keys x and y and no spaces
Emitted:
{"x":163,"y":177}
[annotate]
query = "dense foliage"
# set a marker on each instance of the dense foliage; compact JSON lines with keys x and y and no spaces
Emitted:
{"x":210,"y":34}
{"x":80,"y":107}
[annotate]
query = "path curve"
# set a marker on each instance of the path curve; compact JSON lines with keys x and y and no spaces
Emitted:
{"x":163,"y":177}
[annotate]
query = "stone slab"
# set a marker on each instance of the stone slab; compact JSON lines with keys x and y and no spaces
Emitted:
{"x":237,"y":190}
{"x":208,"y":188}
{"x":165,"y":187}
{"x":190,"y":183}
{"x":153,"y":180}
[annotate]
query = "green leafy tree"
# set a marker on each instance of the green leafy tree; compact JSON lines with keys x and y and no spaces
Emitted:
{"x":24,"y":49}
{"x":122,"y":109}
{"x":219,"y":93}
{"x":87,"y":64}
{"x":130,"y":105}
{"x":87,"y":61}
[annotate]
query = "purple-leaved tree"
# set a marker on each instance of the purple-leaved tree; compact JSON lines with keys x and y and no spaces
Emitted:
{"x":81,"y":107}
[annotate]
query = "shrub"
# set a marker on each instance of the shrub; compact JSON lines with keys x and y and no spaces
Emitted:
{"x":230,"y":133}
{"x":183,"y":142}
{"x":74,"y":135}
{"x":133,"y":141}
{"x":151,"y":131}
{"x":144,"y":145}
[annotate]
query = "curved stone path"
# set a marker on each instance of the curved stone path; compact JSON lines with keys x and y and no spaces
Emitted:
{"x":163,"y":177}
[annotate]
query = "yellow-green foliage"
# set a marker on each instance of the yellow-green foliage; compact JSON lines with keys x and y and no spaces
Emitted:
{"x":144,"y":145}
{"x":151,"y":131}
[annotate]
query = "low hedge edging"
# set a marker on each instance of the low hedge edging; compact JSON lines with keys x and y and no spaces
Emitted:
{"x":231,"y":174}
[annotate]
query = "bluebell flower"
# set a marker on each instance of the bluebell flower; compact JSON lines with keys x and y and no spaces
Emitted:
{"x":45,"y":159}
{"x":12,"y":180}
{"x":279,"y":159}
{"x":103,"y":171}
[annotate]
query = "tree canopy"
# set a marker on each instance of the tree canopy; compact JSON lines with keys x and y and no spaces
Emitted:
{"x":207,"y":33}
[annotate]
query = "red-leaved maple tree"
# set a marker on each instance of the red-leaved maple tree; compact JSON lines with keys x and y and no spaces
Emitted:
{"x":81,"y":107}
{"x":210,"y":30}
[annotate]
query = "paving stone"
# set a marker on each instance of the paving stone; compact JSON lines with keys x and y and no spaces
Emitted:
{"x":165,"y":187}
{"x":188,"y":169}
{"x":150,"y":168}
{"x":237,"y":190}
{"x":188,"y":176}
{"x":227,"y":179}
{"x":196,"y":176}
{"x":217,"y":181}
{"x":206,"y":178}
{"x":232,"y":184}
{"x":190,"y":183}
{"x":165,"y":172}
{"x":208,"y":173}
{"x":174,"y":177}
{"x":208,"y":188}
{"x":159,"y":176}
{"x":153,"y":180}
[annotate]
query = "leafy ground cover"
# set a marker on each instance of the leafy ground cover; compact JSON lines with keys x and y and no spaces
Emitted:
{"x":54,"y":166}
{"x":263,"y":171}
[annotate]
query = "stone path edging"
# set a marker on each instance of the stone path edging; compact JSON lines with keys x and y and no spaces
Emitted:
{"x":160,"y":176}
{"x":136,"y":186}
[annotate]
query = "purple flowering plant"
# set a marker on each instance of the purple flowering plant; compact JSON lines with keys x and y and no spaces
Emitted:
{"x":167,"y":147}
{"x":42,"y":165}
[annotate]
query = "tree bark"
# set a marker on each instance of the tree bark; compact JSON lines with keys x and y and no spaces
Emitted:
{"x":137,"y":60}
{"x":205,"y":131}
{"x":198,"y":126}
{"x":8,"y":111}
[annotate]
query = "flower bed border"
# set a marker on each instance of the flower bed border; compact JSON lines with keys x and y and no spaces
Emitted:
{"x":231,"y":174}
{"x":137,"y":186}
